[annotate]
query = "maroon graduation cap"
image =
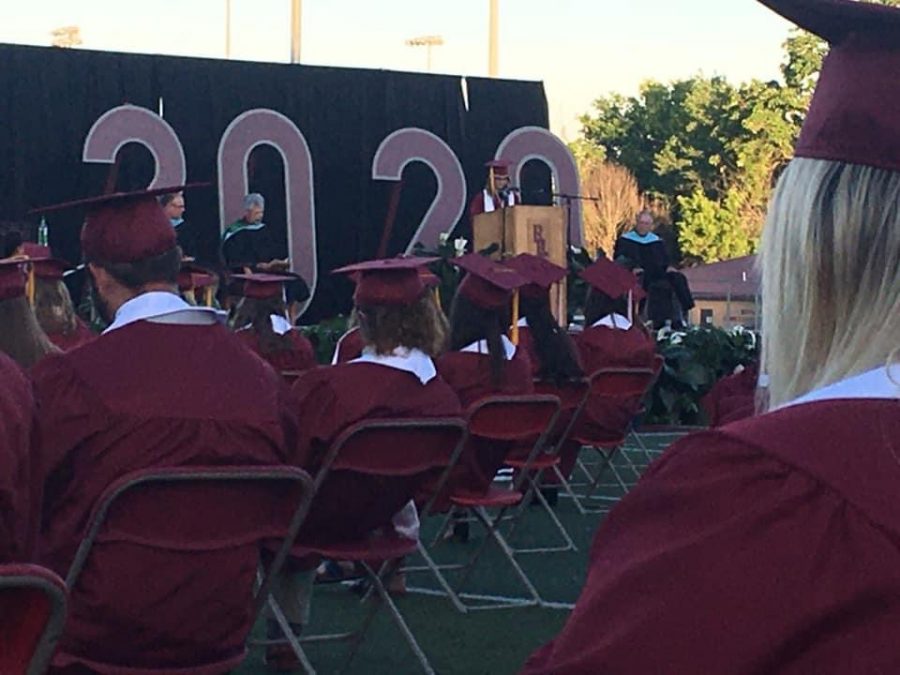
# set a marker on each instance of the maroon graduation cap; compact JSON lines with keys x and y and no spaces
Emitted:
{"x":540,"y":273}
{"x":854,"y":115}
{"x":261,"y":286}
{"x":609,"y":278}
{"x":192,"y":275}
{"x":498,"y":167}
{"x":13,"y":278}
{"x":488,"y":284}
{"x":388,"y":281}
{"x":43,"y":264}
{"x":124,"y":227}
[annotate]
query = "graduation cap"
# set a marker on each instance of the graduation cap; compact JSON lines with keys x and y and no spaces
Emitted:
{"x":609,"y":278}
{"x":497,"y":168}
{"x":43,"y":264}
{"x":540,"y":273}
{"x":13,"y":278}
{"x":488,"y":284}
{"x":124,"y":227}
{"x":854,"y":115}
{"x":388,"y":281}
{"x":260,"y":286}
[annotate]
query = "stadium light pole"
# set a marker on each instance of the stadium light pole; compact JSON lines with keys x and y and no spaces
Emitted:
{"x":296,"y":23}
{"x":427,"y":41}
{"x":493,"y":37}
{"x":227,"y":29}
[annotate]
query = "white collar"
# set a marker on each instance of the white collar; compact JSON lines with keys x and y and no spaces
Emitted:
{"x":876,"y":383}
{"x":481,"y":347}
{"x":616,"y":321}
{"x":164,"y":307}
{"x":489,"y":200}
{"x":522,"y":323}
{"x":280,"y":325}
{"x":413,"y":361}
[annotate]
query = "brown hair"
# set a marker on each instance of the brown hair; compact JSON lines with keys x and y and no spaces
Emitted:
{"x":21,"y":336}
{"x":162,"y":268}
{"x":255,"y":314}
{"x":421,"y":325}
{"x":53,"y":307}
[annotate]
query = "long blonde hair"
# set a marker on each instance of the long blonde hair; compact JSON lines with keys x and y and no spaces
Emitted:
{"x":53,"y":307}
{"x":21,"y":337}
{"x":830,"y":279}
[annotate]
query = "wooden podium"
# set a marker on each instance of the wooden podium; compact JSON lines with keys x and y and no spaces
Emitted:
{"x":539,"y":230}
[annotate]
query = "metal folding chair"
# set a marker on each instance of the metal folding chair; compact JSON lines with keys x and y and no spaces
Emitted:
{"x":32,"y":615}
{"x":514,"y":421}
{"x":397,"y":457}
{"x":188,"y":510}
{"x":621,"y":390}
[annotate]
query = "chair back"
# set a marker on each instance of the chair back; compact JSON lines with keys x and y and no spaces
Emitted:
{"x":163,"y":513}
{"x":513,"y":418}
{"x":614,"y":398}
{"x":32,"y":615}
{"x":374,"y":468}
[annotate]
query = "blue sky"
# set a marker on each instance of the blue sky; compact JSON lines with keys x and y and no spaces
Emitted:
{"x":581,"y":49}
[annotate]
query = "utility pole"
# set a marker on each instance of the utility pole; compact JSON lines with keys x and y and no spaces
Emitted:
{"x":227,"y":29}
{"x":427,"y":41}
{"x":493,"y":37}
{"x":296,"y":23}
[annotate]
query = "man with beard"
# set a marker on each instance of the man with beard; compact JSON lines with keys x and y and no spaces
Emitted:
{"x":165,"y":385}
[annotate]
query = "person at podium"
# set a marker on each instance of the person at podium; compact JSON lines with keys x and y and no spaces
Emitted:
{"x":498,"y":192}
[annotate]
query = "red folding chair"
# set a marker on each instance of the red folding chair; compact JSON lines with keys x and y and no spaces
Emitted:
{"x":382,"y":464}
{"x":217,"y":514}
{"x":505,"y":422}
{"x":615,"y":398}
{"x":32,"y":615}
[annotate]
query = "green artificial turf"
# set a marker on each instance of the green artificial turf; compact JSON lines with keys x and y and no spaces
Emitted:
{"x":493,"y":642}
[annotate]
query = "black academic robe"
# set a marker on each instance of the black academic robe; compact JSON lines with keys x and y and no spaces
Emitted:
{"x":652,"y":257}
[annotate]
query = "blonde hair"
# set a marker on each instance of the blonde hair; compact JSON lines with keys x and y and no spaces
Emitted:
{"x":830,"y":280}
{"x":21,"y":337}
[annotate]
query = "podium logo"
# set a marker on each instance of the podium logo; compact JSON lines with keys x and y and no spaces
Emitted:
{"x":540,"y":244}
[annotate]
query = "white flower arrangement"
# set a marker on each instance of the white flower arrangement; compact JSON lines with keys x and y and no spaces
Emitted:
{"x":459,"y":246}
{"x":443,"y":238}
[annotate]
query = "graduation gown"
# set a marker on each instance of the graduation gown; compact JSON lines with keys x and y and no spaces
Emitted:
{"x":469,"y":374}
{"x":605,"y":347}
{"x":732,"y":398}
{"x":19,"y":474}
{"x":771,"y":545}
{"x":149,"y":395}
{"x":67,"y":341}
{"x":648,"y":252}
{"x":483,"y":199}
{"x":298,"y":358}
{"x":349,"y":346}
{"x":327,"y":401}
{"x":248,"y":245}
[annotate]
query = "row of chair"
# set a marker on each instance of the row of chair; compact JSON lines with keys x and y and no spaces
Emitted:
{"x":287,"y":513}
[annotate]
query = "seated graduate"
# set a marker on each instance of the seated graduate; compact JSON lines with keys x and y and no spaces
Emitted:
{"x":261,"y":323}
{"x":197,"y":285}
{"x":351,"y":343}
{"x":482,"y":360}
{"x":21,"y":336}
{"x":395,"y":377}
{"x":20,"y":493}
{"x":165,"y":385}
{"x":770,"y":545}
{"x":643,"y":252}
{"x":53,"y":305}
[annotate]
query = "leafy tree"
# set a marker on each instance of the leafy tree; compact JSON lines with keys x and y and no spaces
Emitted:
{"x":709,"y":150}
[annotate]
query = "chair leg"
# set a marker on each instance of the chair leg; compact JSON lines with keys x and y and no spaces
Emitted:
{"x":491,"y":527}
{"x":385,"y":597}
{"x":442,"y":580}
{"x":642,"y":446}
{"x":290,"y":637}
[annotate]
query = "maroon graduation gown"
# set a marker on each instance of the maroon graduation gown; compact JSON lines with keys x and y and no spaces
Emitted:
{"x":469,"y":374}
{"x":350,"y":346}
{"x":19,"y":475}
{"x":298,"y":358}
{"x":771,"y":545}
{"x":732,"y":398}
{"x":152,"y":395}
{"x":67,"y":341}
{"x":330,"y":399}
{"x":476,"y":206}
